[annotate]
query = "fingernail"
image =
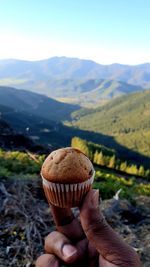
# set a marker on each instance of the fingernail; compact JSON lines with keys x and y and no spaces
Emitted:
{"x":95,"y":198}
{"x":68,"y":250}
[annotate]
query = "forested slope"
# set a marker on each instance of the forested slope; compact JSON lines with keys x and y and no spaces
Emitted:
{"x":126,"y":119}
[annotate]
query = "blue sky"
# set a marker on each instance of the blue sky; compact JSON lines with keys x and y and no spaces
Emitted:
{"x":106,"y":31}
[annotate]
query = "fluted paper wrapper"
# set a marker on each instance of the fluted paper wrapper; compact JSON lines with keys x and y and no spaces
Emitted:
{"x":66,"y":195}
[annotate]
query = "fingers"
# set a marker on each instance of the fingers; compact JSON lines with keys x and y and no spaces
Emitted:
{"x":93,"y":256}
{"x":101,"y":235}
{"x":67,"y":224}
{"x":61,"y":216}
{"x":47,"y":260}
{"x":104,"y":263}
{"x":59,"y":245}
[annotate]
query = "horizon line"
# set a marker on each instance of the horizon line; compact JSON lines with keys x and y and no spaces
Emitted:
{"x":71,"y":57}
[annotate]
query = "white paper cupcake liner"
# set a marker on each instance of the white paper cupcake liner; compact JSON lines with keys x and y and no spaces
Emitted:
{"x":66,"y":195}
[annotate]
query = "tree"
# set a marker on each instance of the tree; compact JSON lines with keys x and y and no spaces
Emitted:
{"x":112,"y":162}
{"x":81,"y":144}
{"x":147,"y":173}
{"x":141,"y":171}
{"x":101,"y":159}
{"x":95,"y":159}
{"x":123,"y":166}
{"x":132,"y":169}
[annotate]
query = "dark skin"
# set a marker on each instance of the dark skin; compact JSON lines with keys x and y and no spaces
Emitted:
{"x":93,"y":243}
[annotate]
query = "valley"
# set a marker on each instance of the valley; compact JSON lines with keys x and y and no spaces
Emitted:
{"x":102,"y":110}
{"x":104,"y":104}
{"x":86,"y":82}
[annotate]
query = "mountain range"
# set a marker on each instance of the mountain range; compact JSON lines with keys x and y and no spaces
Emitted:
{"x":73,"y":68}
{"x":75,"y":80}
{"x":122,"y":124}
{"x":36,"y":108}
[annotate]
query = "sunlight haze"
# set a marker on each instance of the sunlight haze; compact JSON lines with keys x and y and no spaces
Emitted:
{"x":110,"y":31}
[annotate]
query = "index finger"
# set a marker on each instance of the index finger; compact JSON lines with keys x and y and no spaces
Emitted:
{"x":102,"y":236}
{"x":67,"y":224}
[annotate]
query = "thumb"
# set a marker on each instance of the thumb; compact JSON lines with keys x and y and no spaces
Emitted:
{"x":102,"y":236}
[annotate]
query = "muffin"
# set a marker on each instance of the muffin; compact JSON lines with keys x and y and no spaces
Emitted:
{"x":67,"y":176}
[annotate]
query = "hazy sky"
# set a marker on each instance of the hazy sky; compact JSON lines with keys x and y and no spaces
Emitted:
{"x":106,"y":31}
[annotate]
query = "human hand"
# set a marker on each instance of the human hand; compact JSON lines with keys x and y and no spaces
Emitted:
{"x":93,"y":243}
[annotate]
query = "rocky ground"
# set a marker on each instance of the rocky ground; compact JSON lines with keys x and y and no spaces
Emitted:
{"x":26,"y":220}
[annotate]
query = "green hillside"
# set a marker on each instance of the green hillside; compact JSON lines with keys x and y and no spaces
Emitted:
{"x":35,"y":104}
{"x":93,"y":92}
{"x":79,"y":92}
{"x":43,"y":131}
{"x":52,"y":134}
{"x":123,"y":124}
{"x":110,"y":159}
{"x":125,"y":119}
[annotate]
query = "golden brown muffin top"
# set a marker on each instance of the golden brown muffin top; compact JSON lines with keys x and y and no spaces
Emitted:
{"x":67,"y":165}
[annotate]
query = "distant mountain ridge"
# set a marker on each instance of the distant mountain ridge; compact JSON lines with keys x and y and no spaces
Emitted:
{"x":95,"y":92}
{"x":70,"y":68}
{"x":74,"y":80}
{"x":74,"y":68}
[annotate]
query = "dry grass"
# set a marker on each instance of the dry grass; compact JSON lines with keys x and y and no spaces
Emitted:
{"x":25,"y":221}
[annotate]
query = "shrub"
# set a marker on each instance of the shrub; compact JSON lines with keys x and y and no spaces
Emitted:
{"x":19,"y":162}
{"x":109,"y":184}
